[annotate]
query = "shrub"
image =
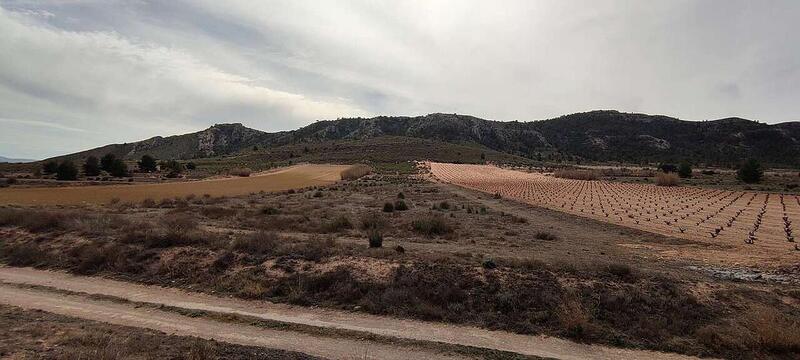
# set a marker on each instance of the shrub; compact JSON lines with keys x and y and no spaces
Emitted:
{"x":269,"y":210}
{"x":576,"y":174}
{"x":544,"y":235}
{"x":750,"y":172}
{"x":400,"y":205}
{"x":375,"y":239}
{"x":685,"y":170}
{"x":373,"y":221}
{"x":317,"y":194}
{"x":356,"y":171}
{"x":667,"y":179}
{"x":67,"y":171}
{"x":173,"y":168}
{"x":400,"y":195}
{"x":444,"y":205}
{"x":50,"y":167}
{"x":11,"y":180}
{"x":258,"y":243}
{"x":668,"y":168}
{"x":708,"y":172}
{"x":432,"y":226}
{"x":243,"y":172}
{"x":388,"y":207}
{"x":191,"y":166}
{"x":117,"y":168}
{"x":91,"y":167}
{"x":148,"y":164}
{"x":106,"y":161}
{"x":33,"y":220}
{"x":771,"y":330}
{"x":489,"y":264}
{"x":338,"y":224}
{"x":148,"y":203}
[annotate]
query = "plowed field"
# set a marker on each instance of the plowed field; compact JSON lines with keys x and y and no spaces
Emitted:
{"x":762,"y":220}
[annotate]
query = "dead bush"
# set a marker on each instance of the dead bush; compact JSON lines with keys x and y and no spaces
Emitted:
{"x":257,"y":243}
{"x":576,"y":174}
{"x":544,"y":235}
{"x":771,"y":330}
{"x":356,"y":171}
{"x":243,"y":172}
{"x":667,"y":179}
{"x":217,"y":212}
{"x":373,"y":221}
{"x":340,"y":223}
{"x":432,"y":226}
{"x":34,"y":220}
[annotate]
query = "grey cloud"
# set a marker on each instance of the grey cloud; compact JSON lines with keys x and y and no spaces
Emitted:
{"x":133,"y":69}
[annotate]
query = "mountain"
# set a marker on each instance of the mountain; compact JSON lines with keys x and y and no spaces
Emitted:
{"x":595,"y":135}
{"x":10,"y":160}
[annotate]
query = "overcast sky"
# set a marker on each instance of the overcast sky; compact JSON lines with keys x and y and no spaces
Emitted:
{"x":78,"y":74}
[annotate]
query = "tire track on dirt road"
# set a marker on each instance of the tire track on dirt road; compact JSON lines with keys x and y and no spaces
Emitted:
{"x":402,"y":329}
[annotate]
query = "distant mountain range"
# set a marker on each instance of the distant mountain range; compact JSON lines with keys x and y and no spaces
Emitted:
{"x":10,"y":160}
{"x":592,"y":136}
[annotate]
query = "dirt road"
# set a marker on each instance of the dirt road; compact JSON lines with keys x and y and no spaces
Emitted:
{"x":122,"y":314}
{"x":289,"y":178}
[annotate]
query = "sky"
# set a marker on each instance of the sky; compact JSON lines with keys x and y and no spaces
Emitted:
{"x":76,"y":74}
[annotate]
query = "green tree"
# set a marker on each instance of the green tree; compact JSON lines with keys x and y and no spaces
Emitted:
{"x":685,"y":170}
{"x":148,"y":164}
{"x":67,"y":171}
{"x":107,"y":161}
{"x":50,"y":167}
{"x":91,"y":167}
{"x":750,"y":172}
{"x":118,"y":168}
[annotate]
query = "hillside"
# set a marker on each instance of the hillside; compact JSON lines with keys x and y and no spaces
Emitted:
{"x":4,"y":159}
{"x":596,"y":135}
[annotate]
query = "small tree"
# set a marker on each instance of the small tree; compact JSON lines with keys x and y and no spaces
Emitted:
{"x":148,"y":164}
{"x":191,"y":166}
{"x":92,"y":166}
{"x":50,"y":167}
{"x":685,"y":170}
{"x":117,"y":168}
{"x":667,"y":168}
{"x":107,"y":161}
{"x":750,"y":172}
{"x":67,"y":171}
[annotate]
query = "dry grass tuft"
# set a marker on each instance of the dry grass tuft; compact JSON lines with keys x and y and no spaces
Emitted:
{"x":243,"y":172}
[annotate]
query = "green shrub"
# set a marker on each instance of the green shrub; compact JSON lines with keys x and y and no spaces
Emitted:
{"x":67,"y":171}
{"x":375,"y":239}
{"x":750,"y":172}
{"x":388,"y":207}
{"x":148,"y":164}
{"x":91,"y":167}
{"x":685,"y":170}
{"x":400,"y":205}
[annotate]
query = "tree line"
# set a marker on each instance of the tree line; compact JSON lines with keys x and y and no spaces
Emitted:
{"x":113,"y":166}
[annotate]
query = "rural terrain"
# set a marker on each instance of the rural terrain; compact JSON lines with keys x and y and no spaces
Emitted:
{"x":441,"y":236}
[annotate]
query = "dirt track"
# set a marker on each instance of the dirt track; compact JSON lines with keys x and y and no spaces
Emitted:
{"x":123,"y":314}
{"x":289,"y":178}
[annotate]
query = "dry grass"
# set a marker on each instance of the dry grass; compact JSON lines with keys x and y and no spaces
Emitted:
{"x":773,"y":331}
{"x":576,"y":174}
{"x":243,"y":172}
{"x":667,"y":179}
{"x":356,"y":171}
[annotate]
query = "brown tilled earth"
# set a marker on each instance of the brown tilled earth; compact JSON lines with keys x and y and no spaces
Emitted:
{"x":733,"y":228}
{"x":453,"y":256}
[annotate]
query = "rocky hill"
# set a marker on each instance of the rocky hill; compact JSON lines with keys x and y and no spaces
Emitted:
{"x":596,"y":136}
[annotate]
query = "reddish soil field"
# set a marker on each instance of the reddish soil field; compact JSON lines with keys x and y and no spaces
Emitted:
{"x":742,"y":221}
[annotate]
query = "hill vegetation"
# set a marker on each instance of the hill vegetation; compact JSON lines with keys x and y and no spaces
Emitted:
{"x":591,"y":136}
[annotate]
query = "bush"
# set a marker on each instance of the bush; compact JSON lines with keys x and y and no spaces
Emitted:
{"x":668,"y":168}
{"x":356,"y":171}
{"x":576,"y":174}
{"x":11,"y":180}
{"x":432,"y":226}
{"x":117,"y":168}
{"x":388,"y":207}
{"x":400,"y":195}
{"x":667,"y":179}
{"x":375,"y":239}
{"x":338,"y":224}
{"x":106,"y":162}
{"x":191,"y":166}
{"x":544,"y":235}
{"x":400,"y":205}
{"x":257,"y":243}
{"x":50,"y":167}
{"x":148,"y":164}
{"x":373,"y":221}
{"x":444,"y":205}
{"x":67,"y":171}
{"x":750,"y":172}
{"x":243,"y":172}
{"x":489,"y":264}
{"x":685,"y":170}
{"x":91,"y":167}
{"x":173,"y":168}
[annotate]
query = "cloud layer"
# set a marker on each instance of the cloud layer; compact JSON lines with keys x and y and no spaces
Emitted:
{"x":78,"y":74}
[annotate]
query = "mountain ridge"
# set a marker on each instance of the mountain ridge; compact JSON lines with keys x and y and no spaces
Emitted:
{"x":600,"y":135}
